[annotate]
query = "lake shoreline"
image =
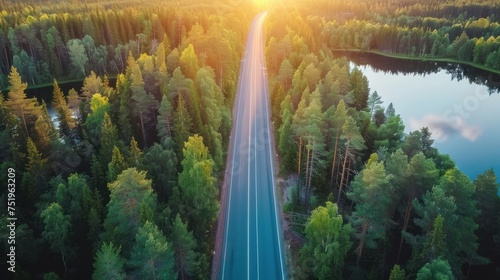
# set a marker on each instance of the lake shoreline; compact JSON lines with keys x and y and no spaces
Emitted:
{"x":375,"y":52}
{"x":59,"y":82}
{"x":424,"y":59}
{"x":393,"y":82}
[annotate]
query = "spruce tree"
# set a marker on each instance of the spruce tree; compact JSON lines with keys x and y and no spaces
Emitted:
{"x":18,"y":104}
{"x":108,"y":264}
{"x":152,"y":257}
{"x":198,"y":190}
{"x":66,"y":122}
{"x":56,"y":230}
{"x":116,"y":165}
{"x":184,"y":246}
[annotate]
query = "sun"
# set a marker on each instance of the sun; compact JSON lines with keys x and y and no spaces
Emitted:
{"x":261,"y":3}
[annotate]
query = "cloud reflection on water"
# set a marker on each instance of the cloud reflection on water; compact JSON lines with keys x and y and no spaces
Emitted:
{"x":442,"y":127}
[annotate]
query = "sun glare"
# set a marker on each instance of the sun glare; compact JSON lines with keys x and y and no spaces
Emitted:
{"x":261,"y":3}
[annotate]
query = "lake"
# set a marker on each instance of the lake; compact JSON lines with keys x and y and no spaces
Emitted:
{"x":460,"y":104}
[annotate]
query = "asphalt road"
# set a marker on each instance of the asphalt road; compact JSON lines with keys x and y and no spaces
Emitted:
{"x":252,"y":243}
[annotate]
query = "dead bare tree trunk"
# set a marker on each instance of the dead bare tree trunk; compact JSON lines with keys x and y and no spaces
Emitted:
{"x":143,"y":129}
{"x":405,"y":224}
{"x":359,"y":250}
{"x":311,"y":170}
{"x":343,"y":172}
{"x":307,"y":170}
{"x":298,"y":170}
{"x":334,"y":161}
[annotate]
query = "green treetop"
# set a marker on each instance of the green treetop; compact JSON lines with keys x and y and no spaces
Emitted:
{"x":108,"y":264}
{"x":328,"y":242}
{"x":152,"y":257}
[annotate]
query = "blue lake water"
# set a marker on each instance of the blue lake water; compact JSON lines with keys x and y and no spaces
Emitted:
{"x":460,"y":105}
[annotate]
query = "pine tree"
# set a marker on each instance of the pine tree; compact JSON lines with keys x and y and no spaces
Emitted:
{"x":160,"y":58}
{"x":297,"y":125}
{"x":183,"y":123}
{"x":161,"y":73}
{"x":135,"y":154}
{"x":459,"y":186}
{"x":109,"y":139}
{"x":180,"y":87}
{"x":7,"y":131}
{"x":370,"y":190}
{"x":161,"y":166}
{"x":95,"y":218}
{"x":18,"y":104}
{"x":427,"y":149}
{"x":396,"y":165}
{"x":75,"y":198}
{"x":164,"y":120}
{"x":97,"y":174}
{"x":397,"y":273}
{"x":413,"y":143}
{"x":34,"y":177}
{"x":125,"y":109}
{"x":173,"y":60}
{"x":108,"y":264}
{"x":353,"y":142}
{"x":374,"y":102}
{"x":390,"y":134}
{"x":488,"y":201}
{"x":144,"y":104}
{"x":152,"y":256}
{"x":453,"y":200}
{"x":188,"y":62}
{"x":421,"y":175}
{"x":183,"y":245}
{"x":56,"y":230}
{"x":99,"y":107}
{"x":45,"y":131}
{"x":315,"y":142}
{"x":339,"y":118}
{"x":130,"y":194}
{"x":213,"y":101}
{"x":390,"y":111}
{"x":359,"y":84}
{"x":73,"y":103}
{"x":437,"y":269}
{"x":307,"y":123}
{"x":435,"y":245}
{"x":92,"y":84}
{"x":179,"y":84}
{"x":66,"y":122}
{"x":286,"y":73}
{"x":197,"y":185}
{"x":116,"y":165}
{"x":285,"y":142}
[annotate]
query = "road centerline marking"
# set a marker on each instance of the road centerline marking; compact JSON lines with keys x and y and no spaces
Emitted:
{"x":255,"y":180}
{"x":251,"y":73}
{"x":250,"y":122}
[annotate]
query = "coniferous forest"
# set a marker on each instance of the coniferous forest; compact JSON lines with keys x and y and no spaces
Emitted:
{"x":120,"y":177}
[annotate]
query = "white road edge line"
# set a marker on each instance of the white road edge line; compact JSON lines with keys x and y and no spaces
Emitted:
{"x":232,"y":171}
